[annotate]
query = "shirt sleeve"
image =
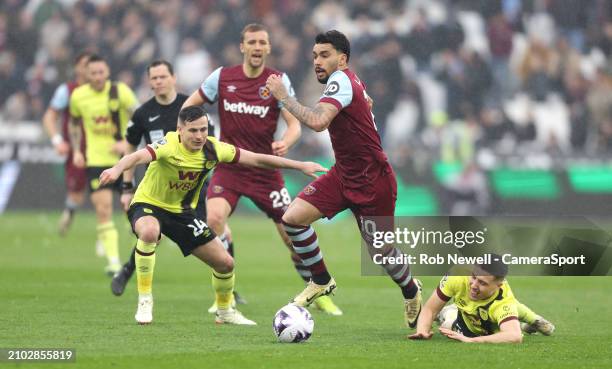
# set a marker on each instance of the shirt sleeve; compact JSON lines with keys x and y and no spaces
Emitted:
{"x":61,"y":98}
{"x":448,"y":287}
{"x":127,"y":98}
{"x":504,"y":311}
{"x":160,"y":149}
{"x":134,"y":129}
{"x":338,"y":91}
{"x":287,"y":83}
{"x":226,"y":153}
{"x":209,"y":90}
{"x":75,"y":111}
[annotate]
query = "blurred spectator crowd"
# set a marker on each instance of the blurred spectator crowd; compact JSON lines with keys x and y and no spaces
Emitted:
{"x":445,"y":75}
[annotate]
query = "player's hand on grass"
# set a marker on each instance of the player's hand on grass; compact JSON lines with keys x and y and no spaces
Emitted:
{"x":126,"y":200}
{"x":274,"y":83}
{"x":454,"y":335}
{"x":110,"y":175}
{"x":421,"y":336}
{"x":310,"y":169}
{"x":279,"y":148}
{"x":78,"y":159}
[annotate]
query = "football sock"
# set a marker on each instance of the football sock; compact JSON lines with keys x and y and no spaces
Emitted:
{"x":223,"y":284}
{"x":71,"y":206}
{"x":300,"y":268}
{"x":525,"y":314}
{"x":145,"y":265}
{"x":306,"y":246}
{"x":108,"y":235}
{"x":400,"y":274}
{"x":230,"y":248}
{"x":223,"y":239}
{"x":131,"y":264}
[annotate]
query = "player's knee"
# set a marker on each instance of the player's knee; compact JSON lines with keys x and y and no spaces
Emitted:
{"x":149,"y":233}
{"x":216,"y":221}
{"x":226,"y":265}
{"x":291,"y":218}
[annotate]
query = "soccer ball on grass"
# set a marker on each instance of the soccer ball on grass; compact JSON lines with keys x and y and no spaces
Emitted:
{"x":293,"y":324}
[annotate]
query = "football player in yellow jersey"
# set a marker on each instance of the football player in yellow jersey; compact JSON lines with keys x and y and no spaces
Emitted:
{"x":166,"y":198}
{"x":103,"y":109}
{"x":484,"y":309}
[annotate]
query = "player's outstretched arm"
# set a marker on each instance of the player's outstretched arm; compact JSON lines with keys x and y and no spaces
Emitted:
{"x":429,"y":311}
{"x":127,"y":162}
{"x":270,"y":162}
{"x":509,"y":332}
{"x":317,"y":118}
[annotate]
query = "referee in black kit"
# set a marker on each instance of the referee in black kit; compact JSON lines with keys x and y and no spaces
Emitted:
{"x":152,"y":121}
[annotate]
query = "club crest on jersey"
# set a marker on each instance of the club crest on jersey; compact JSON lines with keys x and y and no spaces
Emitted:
{"x":309,"y":190}
{"x":264,"y":93}
{"x":331,"y":89}
{"x":217,"y":189}
{"x":231,"y":88}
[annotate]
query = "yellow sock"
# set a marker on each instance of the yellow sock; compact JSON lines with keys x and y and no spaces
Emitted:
{"x":526,"y":314}
{"x":108,"y":235}
{"x":145,"y":264}
{"x":223,"y":284}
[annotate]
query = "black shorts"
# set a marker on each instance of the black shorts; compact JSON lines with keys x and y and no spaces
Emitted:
{"x":185,"y":229}
{"x":460,"y":326}
{"x":93,"y":180}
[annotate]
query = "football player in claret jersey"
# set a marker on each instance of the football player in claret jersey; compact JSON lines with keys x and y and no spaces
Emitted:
{"x":361,"y":180}
{"x":248,"y":119}
{"x":166,"y":198}
{"x":484,"y":309}
{"x":75,"y":178}
{"x":100,"y":111}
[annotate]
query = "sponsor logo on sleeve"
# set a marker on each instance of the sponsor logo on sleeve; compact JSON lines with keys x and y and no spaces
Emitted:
{"x":331,"y":89}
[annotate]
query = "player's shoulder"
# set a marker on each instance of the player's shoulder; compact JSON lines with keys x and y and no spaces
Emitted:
{"x":180,"y":99}
{"x":269,"y":71}
{"x":122,"y":86}
{"x":81,"y":90}
{"x":233,"y":71}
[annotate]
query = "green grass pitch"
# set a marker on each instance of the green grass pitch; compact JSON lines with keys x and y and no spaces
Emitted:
{"x":53,"y":293}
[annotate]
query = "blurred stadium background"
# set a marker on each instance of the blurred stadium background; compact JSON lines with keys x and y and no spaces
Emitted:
{"x":484,"y":106}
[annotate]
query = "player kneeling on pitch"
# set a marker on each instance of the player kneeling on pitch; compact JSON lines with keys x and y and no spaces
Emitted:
{"x":484,"y":309}
{"x":165,"y":200}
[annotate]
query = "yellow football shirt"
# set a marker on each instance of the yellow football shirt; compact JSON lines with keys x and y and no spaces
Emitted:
{"x":482,"y":317}
{"x":93,"y":108}
{"x":175,"y":177}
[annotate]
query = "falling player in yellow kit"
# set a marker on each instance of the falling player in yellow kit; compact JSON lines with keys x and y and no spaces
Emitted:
{"x":484,"y":309}
{"x":166,"y":198}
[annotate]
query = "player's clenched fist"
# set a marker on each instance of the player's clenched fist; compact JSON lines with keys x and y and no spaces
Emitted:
{"x":274,"y":83}
{"x":110,"y":175}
